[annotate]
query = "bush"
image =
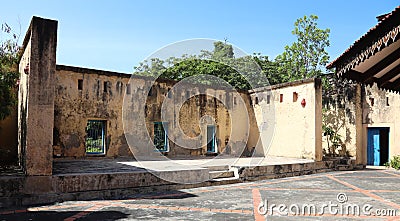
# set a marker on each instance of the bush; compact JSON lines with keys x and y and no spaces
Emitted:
{"x":8,"y":71}
{"x":394,"y":162}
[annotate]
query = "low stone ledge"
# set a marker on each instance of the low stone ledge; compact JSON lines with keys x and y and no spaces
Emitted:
{"x":23,"y":191}
{"x":284,"y":170}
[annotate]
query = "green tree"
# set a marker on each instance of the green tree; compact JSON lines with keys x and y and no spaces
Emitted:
{"x":307,"y":56}
{"x":222,"y":50}
{"x":270,"y":69}
{"x":8,"y":71}
{"x":220,"y":62}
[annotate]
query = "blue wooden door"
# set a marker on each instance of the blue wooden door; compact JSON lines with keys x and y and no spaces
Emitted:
{"x":373,"y":147}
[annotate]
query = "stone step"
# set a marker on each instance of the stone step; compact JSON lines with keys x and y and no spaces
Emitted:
{"x":224,"y":181}
{"x":218,"y":168}
{"x":343,"y":167}
{"x":221,"y":174}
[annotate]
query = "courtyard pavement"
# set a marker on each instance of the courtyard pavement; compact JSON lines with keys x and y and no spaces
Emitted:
{"x":371,"y":194}
{"x":101,"y":165}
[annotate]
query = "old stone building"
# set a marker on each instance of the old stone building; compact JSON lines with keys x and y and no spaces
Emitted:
{"x":86,"y":96}
{"x":69,"y":115}
{"x":78,"y":113}
{"x":75,"y":112}
{"x":371,"y":124}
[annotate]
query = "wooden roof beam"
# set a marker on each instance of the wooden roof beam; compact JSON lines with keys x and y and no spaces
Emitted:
{"x":394,"y":56}
{"x":387,"y":77}
{"x":395,"y":85}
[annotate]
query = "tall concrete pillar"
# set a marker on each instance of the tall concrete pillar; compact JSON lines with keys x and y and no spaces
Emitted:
{"x":37,"y":69}
{"x":318,"y":119}
{"x":361,"y":149}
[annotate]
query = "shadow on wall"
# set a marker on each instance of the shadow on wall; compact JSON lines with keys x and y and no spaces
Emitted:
{"x":333,"y":122}
{"x":368,"y":101}
{"x":339,"y":118}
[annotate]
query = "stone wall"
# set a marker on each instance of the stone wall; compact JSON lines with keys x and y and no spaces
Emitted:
{"x":295,"y":109}
{"x":74,"y":107}
{"x":239,"y":128}
{"x":56,"y":103}
{"x":9,"y":140}
{"x":102,"y":95}
{"x":341,"y":114}
{"x":360,"y":108}
{"x":36,"y":97}
{"x":381,"y":109}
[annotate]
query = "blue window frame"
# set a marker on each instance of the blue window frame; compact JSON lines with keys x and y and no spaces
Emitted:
{"x":160,"y":136}
{"x":95,"y":137}
{"x":211,"y":141}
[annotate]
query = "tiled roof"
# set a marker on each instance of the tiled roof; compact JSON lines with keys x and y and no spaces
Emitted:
{"x":367,"y":38}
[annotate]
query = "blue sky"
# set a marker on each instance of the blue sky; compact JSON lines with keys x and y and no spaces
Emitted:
{"x":117,"y":35}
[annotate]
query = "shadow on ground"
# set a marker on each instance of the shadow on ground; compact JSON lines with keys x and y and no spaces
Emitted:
{"x":165,"y":195}
{"x":55,"y":216}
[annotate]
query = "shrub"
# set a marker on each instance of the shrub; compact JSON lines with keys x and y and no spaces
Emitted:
{"x":394,"y":162}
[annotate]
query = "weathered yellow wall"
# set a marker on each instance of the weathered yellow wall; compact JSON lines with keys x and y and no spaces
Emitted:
{"x":9,"y":139}
{"x":73,"y":108}
{"x":254,"y":143}
{"x":296,"y":132}
{"x":37,"y":68}
{"x":244,"y":126}
{"x":355,"y":114}
{"x":381,"y":115}
{"x":341,"y":114}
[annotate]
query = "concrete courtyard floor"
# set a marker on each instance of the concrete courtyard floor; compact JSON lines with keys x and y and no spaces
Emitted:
{"x":375,"y":191}
{"x":101,"y":165}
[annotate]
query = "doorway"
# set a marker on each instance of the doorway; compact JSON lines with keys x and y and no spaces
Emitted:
{"x":160,"y":136}
{"x":95,"y":137}
{"x":378,"y":146}
{"x":211,"y":139}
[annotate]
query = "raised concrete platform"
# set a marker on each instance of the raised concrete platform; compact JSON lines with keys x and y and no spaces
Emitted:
{"x":119,"y":178}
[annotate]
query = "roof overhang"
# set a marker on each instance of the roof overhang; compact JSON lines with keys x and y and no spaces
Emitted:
{"x":375,"y":57}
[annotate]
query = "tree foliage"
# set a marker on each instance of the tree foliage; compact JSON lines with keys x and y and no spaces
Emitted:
{"x":304,"y":58}
{"x":8,"y":71}
{"x":307,"y":56}
{"x":270,"y":69}
{"x":222,"y":50}
{"x":220,"y":63}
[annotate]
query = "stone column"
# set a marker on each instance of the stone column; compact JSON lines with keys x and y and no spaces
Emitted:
{"x":318,"y":119}
{"x":37,"y":69}
{"x":361,"y":148}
